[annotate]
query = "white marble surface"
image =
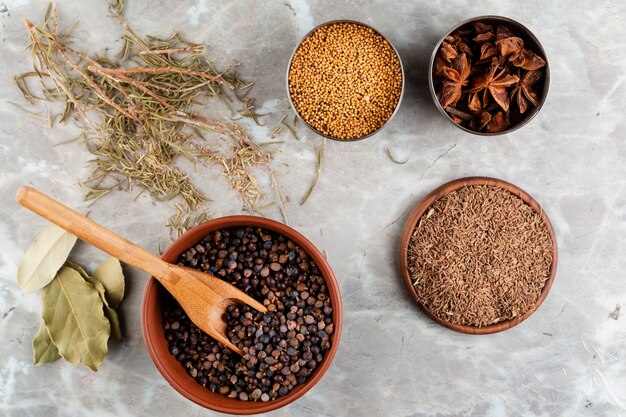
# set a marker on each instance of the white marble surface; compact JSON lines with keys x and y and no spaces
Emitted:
{"x":566,"y":360}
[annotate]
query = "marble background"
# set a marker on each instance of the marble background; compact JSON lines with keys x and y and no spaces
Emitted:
{"x":566,"y":360}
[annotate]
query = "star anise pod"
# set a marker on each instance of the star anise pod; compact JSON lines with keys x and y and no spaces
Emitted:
{"x":507,"y":41}
{"x":523,"y":91}
{"x":498,"y":123}
{"x":476,"y":102}
{"x":455,"y":78}
{"x":526,"y":59}
{"x":496,"y":80}
{"x":487,"y":50}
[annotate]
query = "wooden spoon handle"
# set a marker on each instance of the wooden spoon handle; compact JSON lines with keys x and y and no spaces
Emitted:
{"x":90,"y":231}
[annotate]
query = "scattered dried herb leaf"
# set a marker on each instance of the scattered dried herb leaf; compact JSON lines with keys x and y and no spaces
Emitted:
{"x":43,"y":258}
{"x":73,"y":314}
{"x":110,"y":274}
{"x":109,"y":312}
{"x":44,"y":350}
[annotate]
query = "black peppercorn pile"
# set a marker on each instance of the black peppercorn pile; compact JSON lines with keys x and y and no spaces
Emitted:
{"x":283,"y":346}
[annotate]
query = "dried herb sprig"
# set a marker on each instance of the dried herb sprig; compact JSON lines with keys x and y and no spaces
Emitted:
{"x":394,"y":159}
{"x":138,"y":112}
{"x":319,"y":155}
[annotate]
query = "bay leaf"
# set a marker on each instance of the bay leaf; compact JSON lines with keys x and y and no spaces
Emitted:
{"x":114,"y":320}
{"x":44,"y":349}
{"x":110,"y":274}
{"x":77,"y":268}
{"x":43,"y":258}
{"x":74,"y":316}
{"x":109,"y":312}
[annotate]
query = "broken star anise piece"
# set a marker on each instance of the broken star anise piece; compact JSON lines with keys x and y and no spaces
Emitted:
{"x":523,"y":91}
{"x":527,"y":60}
{"x":496,"y":81}
{"x":498,"y":123}
{"x":448,"y":52}
{"x":455,"y":79}
{"x":480,"y":122}
{"x":507,"y":41}
{"x":480,"y":27}
{"x":484,"y":37}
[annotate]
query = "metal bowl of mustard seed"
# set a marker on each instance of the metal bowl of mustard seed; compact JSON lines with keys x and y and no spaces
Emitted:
{"x":478,"y":255}
{"x":489,"y":75}
{"x":345,"y":80}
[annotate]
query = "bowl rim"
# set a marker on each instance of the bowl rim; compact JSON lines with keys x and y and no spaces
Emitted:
{"x":530,"y":35}
{"x":293,"y":53}
{"x":166,"y":365}
{"x":420,"y":209}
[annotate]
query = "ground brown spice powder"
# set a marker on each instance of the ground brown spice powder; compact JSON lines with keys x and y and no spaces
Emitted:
{"x":479,"y":256}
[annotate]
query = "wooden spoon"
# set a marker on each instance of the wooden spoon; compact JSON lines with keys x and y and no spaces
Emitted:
{"x":203,"y":297}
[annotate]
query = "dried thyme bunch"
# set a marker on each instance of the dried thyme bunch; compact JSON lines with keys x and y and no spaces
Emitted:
{"x":138,"y":118}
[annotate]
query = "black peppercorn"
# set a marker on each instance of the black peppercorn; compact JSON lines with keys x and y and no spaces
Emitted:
{"x":283,"y":346}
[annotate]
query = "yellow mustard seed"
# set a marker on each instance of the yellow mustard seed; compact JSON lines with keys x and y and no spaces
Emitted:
{"x":345,"y":80}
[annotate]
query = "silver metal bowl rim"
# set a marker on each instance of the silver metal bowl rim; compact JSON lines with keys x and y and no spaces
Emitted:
{"x":309,"y":33}
{"x":528,"y":33}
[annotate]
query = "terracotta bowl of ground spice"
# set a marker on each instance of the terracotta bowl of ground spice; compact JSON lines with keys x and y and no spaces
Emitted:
{"x":345,"y":80}
{"x":287,"y":350}
{"x":478,"y":255}
{"x":489,"y":75}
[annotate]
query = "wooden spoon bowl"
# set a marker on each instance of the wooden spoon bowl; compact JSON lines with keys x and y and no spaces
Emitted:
{"x":422,"y":208}
{"x":174,"y":372}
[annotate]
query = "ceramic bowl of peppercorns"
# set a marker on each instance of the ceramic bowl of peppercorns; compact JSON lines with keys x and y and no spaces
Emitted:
{"x":345,"y":80}
{"x":489,"y":75}
{"x":286,"y":350}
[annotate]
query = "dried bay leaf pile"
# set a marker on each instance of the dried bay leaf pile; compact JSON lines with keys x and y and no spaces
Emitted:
{"x":78,"y":310}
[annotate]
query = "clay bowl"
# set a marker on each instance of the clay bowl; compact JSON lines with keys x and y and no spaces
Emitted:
{"x":422,"y":208}
{"x":173,"y":371}
{"x":530,"y":41}
{"x":289,"y":69}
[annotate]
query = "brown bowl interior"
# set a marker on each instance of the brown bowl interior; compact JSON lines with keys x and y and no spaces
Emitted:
{"x":422,"y":208}
{"x":530,"y":41}
{"x":174,"y":372}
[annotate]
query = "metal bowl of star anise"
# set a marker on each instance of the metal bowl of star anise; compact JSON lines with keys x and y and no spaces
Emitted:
{"x":489,"y":75}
